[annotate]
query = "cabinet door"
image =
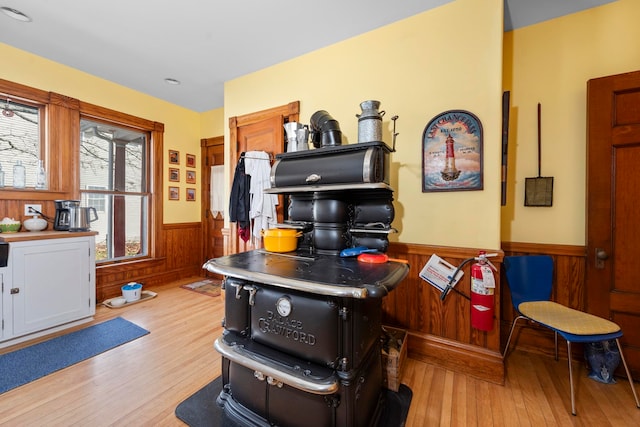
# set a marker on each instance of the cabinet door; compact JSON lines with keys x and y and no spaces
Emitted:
{"x":2,"y":284}
{"x":51,"y":283}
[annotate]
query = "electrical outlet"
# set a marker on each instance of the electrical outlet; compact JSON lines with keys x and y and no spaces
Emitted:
{"x":28,"y":212}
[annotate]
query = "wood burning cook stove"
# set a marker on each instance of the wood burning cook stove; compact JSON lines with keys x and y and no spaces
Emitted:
{"x":301,"y":343}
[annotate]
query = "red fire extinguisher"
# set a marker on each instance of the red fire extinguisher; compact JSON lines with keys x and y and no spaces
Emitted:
{"x":483,"y":284}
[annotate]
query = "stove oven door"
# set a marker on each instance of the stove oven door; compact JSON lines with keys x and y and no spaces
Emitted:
{"x":304,"y":325}
{"x":265,"y":387}
{"x":236,"y":314}
{"x":330,"y":331}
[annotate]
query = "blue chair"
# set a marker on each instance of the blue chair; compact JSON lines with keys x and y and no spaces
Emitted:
{"x":530,"y":280}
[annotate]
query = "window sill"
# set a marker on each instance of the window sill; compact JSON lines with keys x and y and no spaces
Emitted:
{"x":31,"y":194}
{"x":130,"y":264}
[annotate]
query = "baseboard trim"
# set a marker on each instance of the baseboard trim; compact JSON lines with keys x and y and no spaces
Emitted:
{"x":475,"y":361}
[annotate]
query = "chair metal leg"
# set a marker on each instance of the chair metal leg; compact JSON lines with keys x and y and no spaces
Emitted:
{"x":626,"y":368}
{"x":573,"y":399}
{"x":513,"y":326}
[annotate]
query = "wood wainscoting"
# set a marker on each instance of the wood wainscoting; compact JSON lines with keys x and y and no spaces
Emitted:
{"x":439,"y":331}
{"x":179,"y":254}
{"x":569,"y":267}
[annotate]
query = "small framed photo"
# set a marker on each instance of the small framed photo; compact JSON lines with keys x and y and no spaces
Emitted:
{"x":174,"y":174}
{"x":174,"y":157}
{"x":191,"y":194}
{"x":191,"y":160}
{"x":174,"y":193}
{"x":191,"y":177}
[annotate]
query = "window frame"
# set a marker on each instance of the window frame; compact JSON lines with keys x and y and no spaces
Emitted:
{"x":61,"y":142}
{"x":42,"y":126}
{"x":144,"y":192}
{"x":153,"y":171}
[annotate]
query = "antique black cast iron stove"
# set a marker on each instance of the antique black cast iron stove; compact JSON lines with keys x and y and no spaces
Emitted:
{"x":301,"y":345}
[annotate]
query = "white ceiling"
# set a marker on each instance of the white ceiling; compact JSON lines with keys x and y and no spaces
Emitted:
{"x":139,"y":43}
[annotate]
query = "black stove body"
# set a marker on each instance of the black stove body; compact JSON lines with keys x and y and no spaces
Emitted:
{"x":301,"y":345}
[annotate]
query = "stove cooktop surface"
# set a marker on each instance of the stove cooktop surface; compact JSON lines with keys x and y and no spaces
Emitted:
{"x":320,"y":274}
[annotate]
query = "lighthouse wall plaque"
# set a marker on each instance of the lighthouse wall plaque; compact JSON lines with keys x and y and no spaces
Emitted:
{"x":452,"y":153}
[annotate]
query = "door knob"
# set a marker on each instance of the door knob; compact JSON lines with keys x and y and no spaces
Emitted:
{"x":601,"y":256}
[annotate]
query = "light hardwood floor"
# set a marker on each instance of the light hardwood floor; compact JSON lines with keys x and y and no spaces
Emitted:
{"x":142,"y":382}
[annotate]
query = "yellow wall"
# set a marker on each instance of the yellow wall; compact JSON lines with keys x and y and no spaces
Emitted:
{"x":212,"y":123}
{"x":551,"y":63}
{"x":444,"y":59}
{"x":182,"y":127}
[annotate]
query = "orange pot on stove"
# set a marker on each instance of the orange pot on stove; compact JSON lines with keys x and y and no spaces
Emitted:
{"x":280,"y":239}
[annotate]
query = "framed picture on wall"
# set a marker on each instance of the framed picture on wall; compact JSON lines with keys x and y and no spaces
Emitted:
{"x":191,"y":177}
{"x":174,"y":157}
{"x":174,"y":193}
{"x":452,"y":153}
{"x":191,"y":194}
{"x":174,"y":174}
{"x":191,"y":160}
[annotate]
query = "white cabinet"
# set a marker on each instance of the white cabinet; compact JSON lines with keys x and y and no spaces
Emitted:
{"x":2,"y":276}
{"x":49,"y":284}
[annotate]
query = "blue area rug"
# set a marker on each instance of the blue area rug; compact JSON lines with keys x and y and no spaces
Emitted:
{"x":25,"y":365}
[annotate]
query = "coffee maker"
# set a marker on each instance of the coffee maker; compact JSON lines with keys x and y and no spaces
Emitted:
{"x":63,"y":214}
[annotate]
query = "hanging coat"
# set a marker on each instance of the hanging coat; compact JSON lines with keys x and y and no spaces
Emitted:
{"x":239,"y":201}
{"x":263,"y":206}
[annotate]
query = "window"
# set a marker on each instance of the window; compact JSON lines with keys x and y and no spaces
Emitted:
{"x":102,"y":157}
{"x":114,"y":180}
{"x":96,"y":200}
{"x":20,"y":138}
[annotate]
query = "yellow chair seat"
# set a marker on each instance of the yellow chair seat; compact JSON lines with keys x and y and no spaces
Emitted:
{"x":562,"y":318}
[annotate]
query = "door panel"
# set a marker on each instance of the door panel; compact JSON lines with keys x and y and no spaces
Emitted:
{"x":212,"y":154}
{"x":613,"y":191}
{"x":267,"y":136}
{"x":260,"y":131}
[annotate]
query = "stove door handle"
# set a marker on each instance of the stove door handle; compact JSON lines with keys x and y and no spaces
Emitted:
{"x":293,"y":377}
{"x":314,"y":177}
{"x":252,"y":293}
{"x":275,"y":382}
{"x":238,"y":287}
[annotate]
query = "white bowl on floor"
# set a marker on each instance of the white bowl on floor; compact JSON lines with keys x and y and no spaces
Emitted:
{"x":117,"y":302}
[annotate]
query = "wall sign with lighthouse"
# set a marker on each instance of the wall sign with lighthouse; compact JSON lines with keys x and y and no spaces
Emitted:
{"x":452,"y":152}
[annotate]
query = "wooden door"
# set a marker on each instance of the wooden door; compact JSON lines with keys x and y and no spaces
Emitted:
{"x":613,"y":211}
{"x":212,"y":155}
{"x":261,"y":131}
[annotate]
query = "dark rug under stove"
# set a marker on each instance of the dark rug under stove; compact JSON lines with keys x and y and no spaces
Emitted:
{"x":201,"y":409}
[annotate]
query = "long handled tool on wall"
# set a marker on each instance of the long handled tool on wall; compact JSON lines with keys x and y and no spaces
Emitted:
{"x":539,"y":190}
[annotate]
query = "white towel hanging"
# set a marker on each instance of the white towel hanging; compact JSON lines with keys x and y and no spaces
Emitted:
{"x":263,"y":206}
{"x":217,"y":191}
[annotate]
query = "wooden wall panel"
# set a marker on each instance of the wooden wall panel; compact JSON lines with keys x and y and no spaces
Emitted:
{"x":416,"y":305}
{"x":440,"y":331}
{"x":182,"y":244}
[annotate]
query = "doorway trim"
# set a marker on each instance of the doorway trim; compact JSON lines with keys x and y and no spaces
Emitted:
{"x":290,"y":113}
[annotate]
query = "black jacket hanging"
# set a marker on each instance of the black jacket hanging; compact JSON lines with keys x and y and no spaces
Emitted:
{"x":239,"y":201}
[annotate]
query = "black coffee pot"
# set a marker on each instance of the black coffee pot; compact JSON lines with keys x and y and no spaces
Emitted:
{"x":62,"y":219}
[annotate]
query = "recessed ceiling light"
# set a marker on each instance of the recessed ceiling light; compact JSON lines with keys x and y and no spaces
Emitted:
{"x":15,"y":14}
{"x":171,"y":81}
